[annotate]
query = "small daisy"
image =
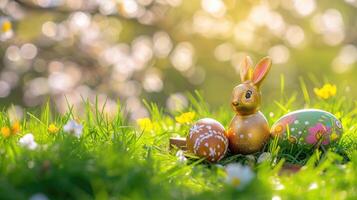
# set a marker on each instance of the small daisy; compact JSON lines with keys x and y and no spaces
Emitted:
{"x":239,"y":176}
{"x":6,"y":31}
{"x":38,"y":196}
{"x":181,"y":157}
{"x":73,"y":128}
{"x":28,"y":142}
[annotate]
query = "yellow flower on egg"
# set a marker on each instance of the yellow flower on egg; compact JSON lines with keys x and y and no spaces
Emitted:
{"x":186,"y":117}
{"x":333,"y":136}
{"x":52,"y":128}
{"x":278,"y":129}
{"x":327,"y":91}
{"x":145,"y":124}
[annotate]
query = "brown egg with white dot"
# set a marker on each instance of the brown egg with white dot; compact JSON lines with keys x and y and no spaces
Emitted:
{"x":207,"y":139}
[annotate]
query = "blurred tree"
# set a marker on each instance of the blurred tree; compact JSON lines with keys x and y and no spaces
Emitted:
{"x":158,"y":49}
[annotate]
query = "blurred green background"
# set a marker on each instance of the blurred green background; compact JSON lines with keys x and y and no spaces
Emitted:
{"x":159,"y":50}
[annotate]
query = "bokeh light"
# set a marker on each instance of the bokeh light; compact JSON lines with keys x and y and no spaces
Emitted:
{"x":158,"y":50}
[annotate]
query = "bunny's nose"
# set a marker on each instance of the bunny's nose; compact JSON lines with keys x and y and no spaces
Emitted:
{"x":235,"y":103}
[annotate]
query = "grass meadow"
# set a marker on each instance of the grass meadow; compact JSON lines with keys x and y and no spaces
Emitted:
{"x":115,"y":159}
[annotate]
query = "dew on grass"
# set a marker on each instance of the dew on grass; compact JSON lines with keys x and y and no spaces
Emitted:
{"x":30,"y":164}
{"x":276,"y":197}
{"x":313,"y":186}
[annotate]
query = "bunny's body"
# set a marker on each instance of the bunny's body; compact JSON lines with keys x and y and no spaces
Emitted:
{"x":249,"y":129}
{"x":248,"y":133}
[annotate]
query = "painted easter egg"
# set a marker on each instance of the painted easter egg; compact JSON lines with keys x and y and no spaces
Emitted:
{"x":207,"y":139}
{"x":308,"y":126}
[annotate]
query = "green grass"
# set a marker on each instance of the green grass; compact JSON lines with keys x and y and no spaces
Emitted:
{"x":115,"y":159}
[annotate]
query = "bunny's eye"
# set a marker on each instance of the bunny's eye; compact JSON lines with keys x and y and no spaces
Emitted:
{"x":248,"y":94}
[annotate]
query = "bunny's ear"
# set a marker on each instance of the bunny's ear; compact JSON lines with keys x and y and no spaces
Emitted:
{"x":246,"y":68}
{"x":261,"y":70}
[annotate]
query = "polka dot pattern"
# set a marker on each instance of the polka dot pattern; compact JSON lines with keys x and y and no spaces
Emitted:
{"x":309,"y":127}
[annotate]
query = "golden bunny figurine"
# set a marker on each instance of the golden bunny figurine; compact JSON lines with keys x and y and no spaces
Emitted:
{"x":249,"y":129}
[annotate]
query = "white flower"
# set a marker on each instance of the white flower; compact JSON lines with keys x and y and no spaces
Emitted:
{"x":239,"y":176}
{"x":74,"y":128}
{"x":38,"y":196}
{"x":28,"y":141}
{"x":313,"y":186}
{"x":181,"y":157}
{"x":6,"y":31}
{"x":265,"y":156}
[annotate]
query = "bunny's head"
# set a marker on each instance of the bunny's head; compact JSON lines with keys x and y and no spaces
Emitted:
{"x":246,"y":96}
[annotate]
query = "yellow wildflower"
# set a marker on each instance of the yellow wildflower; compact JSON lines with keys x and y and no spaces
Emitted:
{"x":145,"y":124}
{"x":326,"y":91}
{"x":15,"y":128}
{"x":186,"y":117}
{"x":6,"y":26}
{"x":5,"y":131}
{"x":52,"y":128}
